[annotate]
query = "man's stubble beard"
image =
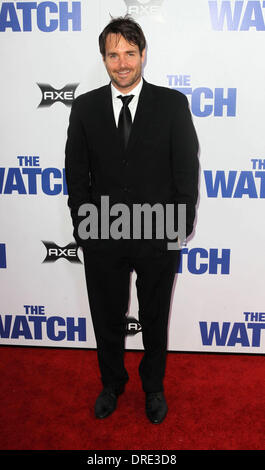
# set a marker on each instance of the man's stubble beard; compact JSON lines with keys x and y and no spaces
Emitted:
{"x":135,"y":78}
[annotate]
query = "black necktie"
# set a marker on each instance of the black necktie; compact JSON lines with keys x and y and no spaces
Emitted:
{"x":125,"y":119}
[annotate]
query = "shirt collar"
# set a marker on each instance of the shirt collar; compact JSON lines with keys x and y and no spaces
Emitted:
{"x":136,"y":90}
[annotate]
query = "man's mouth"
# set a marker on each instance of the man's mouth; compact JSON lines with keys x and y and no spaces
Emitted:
{"x":123,"y":73}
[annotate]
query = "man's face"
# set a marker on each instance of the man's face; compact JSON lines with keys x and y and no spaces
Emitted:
{"x":123,"y":62}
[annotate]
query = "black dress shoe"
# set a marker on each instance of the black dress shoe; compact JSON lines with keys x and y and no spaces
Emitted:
{"x":106,"y":402}
{"x":155,"y":406}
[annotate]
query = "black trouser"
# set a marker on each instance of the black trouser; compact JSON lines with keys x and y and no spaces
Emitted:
{"x":108,"y":285}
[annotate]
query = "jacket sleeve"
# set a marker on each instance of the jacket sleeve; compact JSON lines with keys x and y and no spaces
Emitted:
{"x":185,"y":162}
{"x":77,"y":168}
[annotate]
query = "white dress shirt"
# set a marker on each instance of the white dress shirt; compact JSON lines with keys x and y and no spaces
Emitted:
{"x":117,"y":103}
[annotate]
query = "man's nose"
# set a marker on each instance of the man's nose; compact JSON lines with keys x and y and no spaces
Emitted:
{"x":123,"y":62}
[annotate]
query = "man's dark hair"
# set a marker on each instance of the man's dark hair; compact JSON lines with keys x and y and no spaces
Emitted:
{"x":128,"y":28}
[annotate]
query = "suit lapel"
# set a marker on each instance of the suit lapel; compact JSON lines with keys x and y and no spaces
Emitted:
{"x":107,"y":114}
{"x":142,"y":119}
{"x":107,"y":131}
{"x":143,"y":116}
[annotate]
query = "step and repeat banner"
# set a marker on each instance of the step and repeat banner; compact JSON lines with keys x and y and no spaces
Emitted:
{"x":213,"y":52}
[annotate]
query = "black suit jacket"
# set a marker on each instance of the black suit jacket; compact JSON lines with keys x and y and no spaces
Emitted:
{"x":160,"y":164}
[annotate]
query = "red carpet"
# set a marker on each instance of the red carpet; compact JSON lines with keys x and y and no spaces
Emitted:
{"x":216,"y":402}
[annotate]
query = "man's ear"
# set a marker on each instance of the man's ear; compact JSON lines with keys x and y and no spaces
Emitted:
{"x":143,"y":55}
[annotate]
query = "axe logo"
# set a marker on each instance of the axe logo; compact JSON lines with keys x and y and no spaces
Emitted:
{"x":139,"y":8}
{"x":50,"y":95}
{"x":55,"y":252}
{"x":132,"y":326}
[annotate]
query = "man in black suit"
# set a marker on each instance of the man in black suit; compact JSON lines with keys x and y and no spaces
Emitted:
{"x":135,"y":143}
